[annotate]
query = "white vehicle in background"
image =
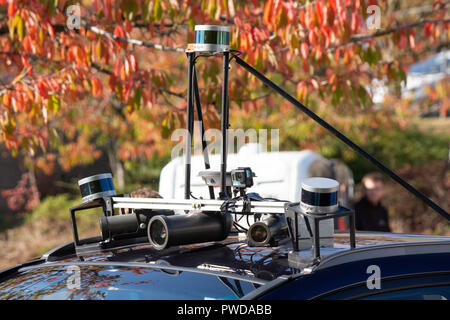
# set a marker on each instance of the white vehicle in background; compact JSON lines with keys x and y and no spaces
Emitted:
{"x":278,"y":174}
{"x":423,"y":74}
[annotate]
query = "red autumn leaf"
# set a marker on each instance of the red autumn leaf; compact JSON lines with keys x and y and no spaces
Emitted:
{"x":428,"y":29}
{"x":27,"y":44}
{"x":301,"y":17}
{"x":117,"y":67}
{"x":355,"y":19}
{"x":270,"y":101}
{"x":268,"y":7}
{"x":319,"y":12}
{"x":120,"y":32}
{"x":123,"y":73}
{"x":301,"y":90}
{"x":332,"y":79}
{"x":403,"y":40}
{"x":309,"y":17}
{"x":51,"y":31}
{"x":11,"y":9}
{"x":337,"y":54}
{"x":151,"y":28}
{"x":97,"y":87}
{"x":6,"y":99}
{"x":133,"y":62}
{"x":112,"y":83}
{"x":127,"y":90}
{"x":43,"y":89}
{"x":305,"y":66}
{"x":312,"y":37}
{"x":304,"y":48}
{"x":412,"y":39}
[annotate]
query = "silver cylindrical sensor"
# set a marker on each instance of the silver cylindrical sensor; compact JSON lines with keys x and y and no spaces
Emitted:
{"x":319,"y":195}
{"x":212,"y":38}
{"x":97,"y":186}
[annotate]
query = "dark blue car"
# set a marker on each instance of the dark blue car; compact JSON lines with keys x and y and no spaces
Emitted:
{"x":382,"y":266}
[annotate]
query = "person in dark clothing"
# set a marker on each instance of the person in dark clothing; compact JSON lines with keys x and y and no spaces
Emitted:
{"x":370,"y":215}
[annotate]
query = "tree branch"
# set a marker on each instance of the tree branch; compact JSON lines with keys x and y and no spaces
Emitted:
{"x":130,"y":40}
{"x":93,"y":65}
{"x":358,"y":38}
{"x":163,"y":90}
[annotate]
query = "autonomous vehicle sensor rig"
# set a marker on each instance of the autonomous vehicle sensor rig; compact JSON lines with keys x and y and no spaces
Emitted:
{"x":289,"y":244}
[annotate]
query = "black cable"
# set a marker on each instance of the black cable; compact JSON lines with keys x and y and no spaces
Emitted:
{"x":192,"y":196}
{"x":238,"y":226}
{"x":276,"y":200}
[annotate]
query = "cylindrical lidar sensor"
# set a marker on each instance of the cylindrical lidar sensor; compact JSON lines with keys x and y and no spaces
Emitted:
{"x":319,"y":195}
{"x":97,"y":186}
{"x":212,"y":39}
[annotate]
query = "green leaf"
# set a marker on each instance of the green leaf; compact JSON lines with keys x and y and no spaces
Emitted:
{"x":53,"y":103}
{"x":191,"y":23}
{"x":171,"y":11}
{"x":21,"y":28}
{"x":363,"y":96}
{"x":402,"y":76}
{"x":157,"y":10}
{"x":130,"y":7}
{"x":165,"y":129}
{"x":145,"y":9}
{"x":51,"y":6}
{"x":258,"y":64}
{"x":337,"y":95}
{"x":14,"y":25}
{"x":118,"y":91}
{"x":56,"y":103}
{"x":137,"y":98}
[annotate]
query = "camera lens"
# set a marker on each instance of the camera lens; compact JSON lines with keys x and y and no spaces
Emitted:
{"x":259,"y":233}
{"x":158,"y":232}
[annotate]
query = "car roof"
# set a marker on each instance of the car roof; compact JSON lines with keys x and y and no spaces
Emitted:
{"x":266,"y":268}
{"x":234,"y":258}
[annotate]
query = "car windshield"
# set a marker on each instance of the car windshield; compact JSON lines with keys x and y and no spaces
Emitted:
{"x":120,"y":283}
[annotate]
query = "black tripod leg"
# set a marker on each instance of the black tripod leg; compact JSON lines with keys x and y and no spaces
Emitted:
{"x":224,"y":125}
{"x":202,"y":129}
{"x":342,"y":137}
{"x":189,"y":127}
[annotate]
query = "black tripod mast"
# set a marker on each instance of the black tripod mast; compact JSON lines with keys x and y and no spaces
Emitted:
{"x":193,"y":94}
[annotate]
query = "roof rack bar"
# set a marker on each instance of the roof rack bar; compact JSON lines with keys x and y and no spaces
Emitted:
{"x":198,"y":204}
{"x":341,"y":136}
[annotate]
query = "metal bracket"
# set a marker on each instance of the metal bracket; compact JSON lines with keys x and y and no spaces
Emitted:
{"x":293,"y":211}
